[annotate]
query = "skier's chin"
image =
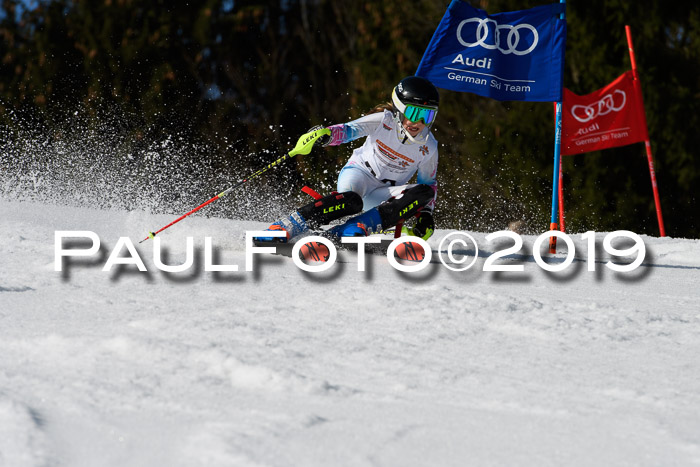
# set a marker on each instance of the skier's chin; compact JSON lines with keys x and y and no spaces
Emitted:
{"x":413,"y":132}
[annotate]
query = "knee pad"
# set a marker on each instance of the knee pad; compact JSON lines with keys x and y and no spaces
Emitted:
{"x":331,"y":207}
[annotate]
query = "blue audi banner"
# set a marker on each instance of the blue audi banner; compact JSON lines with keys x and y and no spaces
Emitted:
{"x":513,"y":56}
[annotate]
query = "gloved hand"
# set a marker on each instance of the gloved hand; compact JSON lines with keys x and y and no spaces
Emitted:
{"x":425,"y":226}
{"x":307,"y":141}
{"x":325,"y":138}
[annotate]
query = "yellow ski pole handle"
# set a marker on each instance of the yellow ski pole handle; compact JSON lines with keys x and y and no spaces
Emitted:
{"x":306,"y":141}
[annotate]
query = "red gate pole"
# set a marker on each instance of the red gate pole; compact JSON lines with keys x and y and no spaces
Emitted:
{"x":647,"y":144}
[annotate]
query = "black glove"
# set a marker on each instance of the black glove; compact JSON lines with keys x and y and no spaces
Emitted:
{"x":323,"y":140}
{"x":425,"y":226}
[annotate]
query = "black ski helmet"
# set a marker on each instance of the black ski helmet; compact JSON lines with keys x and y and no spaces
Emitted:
{"x":417,"y":99}
{"x":418,"y":91}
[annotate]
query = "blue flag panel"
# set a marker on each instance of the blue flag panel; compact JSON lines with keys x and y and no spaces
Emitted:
{"x":514,"y":56}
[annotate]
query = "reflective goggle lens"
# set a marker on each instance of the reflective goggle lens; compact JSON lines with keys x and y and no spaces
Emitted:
{"x":416,"y":114}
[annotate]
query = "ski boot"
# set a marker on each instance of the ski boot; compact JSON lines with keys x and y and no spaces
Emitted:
{"x":294,"y":225}
{"x":359,"y":226}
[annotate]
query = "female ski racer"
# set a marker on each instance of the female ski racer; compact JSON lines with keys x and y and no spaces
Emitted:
{"x":375,"y":179}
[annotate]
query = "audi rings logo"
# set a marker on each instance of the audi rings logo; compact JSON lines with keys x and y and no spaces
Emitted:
{"x":613,"y":102}
{"x":489,"y":34}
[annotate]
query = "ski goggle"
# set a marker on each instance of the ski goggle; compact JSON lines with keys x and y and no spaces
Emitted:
{"x":416,"y":114}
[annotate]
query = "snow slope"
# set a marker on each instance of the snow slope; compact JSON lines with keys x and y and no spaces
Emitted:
{"x":280,"y":367}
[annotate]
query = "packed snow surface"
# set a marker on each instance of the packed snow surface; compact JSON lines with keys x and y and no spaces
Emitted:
{"x":280,"y":367}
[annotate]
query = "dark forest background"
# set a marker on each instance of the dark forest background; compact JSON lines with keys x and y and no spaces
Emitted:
{"x":248,"y":77}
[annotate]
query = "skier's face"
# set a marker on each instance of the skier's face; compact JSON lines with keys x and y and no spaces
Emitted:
{"x":413,"y":128}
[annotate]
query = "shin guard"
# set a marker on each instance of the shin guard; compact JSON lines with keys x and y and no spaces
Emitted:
{"x":406,"y":206}
{"x":331,"y":207}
